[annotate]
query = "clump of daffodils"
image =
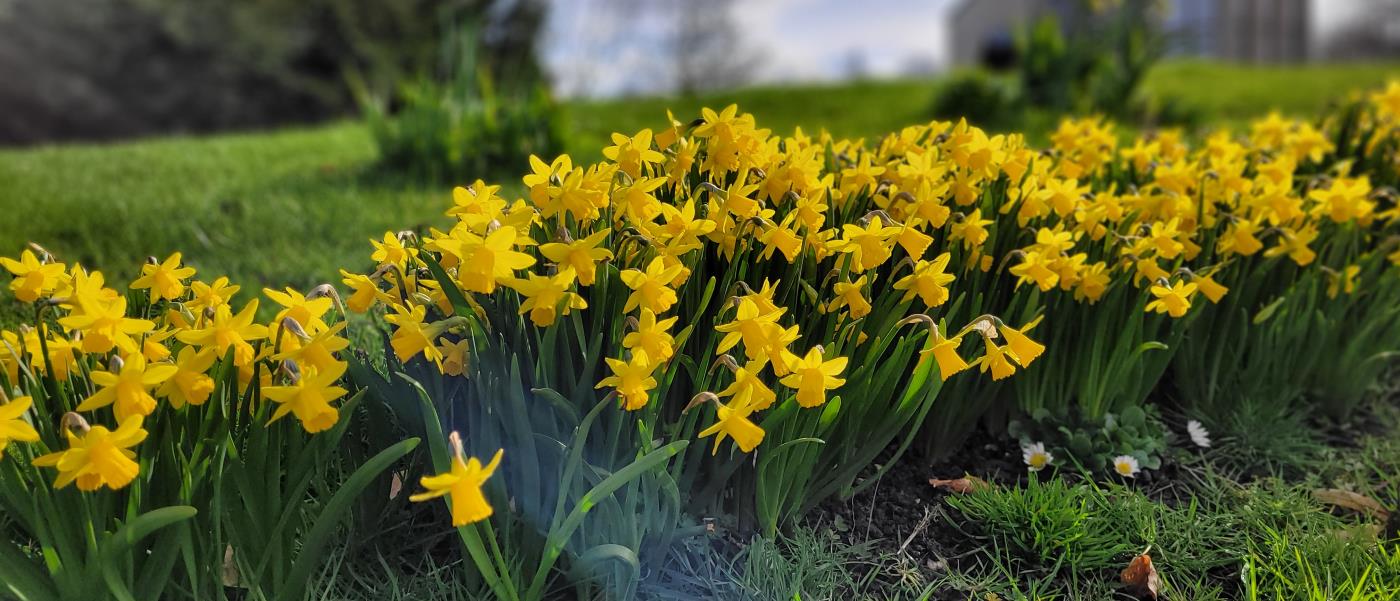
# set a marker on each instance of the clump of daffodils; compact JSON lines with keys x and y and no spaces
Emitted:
{"x":768,"y":257}
{"x":123,"y":362}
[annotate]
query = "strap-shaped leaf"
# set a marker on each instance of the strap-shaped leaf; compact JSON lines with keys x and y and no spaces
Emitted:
{"x":22,"y":578}
{"x":331,"y":513}
{"x":115,"y":547}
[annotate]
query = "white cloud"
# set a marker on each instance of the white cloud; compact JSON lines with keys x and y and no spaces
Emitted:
{"x":600,"y":52}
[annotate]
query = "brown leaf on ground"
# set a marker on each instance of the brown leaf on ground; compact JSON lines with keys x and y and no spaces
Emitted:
{"x":1361,"y":533}
{"x":230,"y":571}
{"x":1354,"y":501}
{"x":1140,"y":577}
{"x":960,"y":486}
{"x":395,"y":485}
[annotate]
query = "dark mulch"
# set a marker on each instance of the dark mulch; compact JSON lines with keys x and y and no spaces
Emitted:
{"x":904,"y":516}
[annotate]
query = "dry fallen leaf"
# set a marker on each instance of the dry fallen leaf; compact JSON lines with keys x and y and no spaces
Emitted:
{"x":395,"y":485}
{"x":1360,"y":533}
{"x":1354,"y":501}
{"x":1140,"y":576}
{"x":230,"y":571}
{"x":961,"y":486}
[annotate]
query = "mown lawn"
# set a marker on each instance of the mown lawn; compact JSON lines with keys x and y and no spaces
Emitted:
{"x":290,"y":207}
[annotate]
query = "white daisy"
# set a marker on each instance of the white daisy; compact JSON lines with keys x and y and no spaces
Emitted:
{"x":1126,"y":466}
{"x":1036,"y":457}
{"x":1198,"y":433}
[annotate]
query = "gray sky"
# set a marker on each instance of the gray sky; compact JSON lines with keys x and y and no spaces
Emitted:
{"x":611,"y":47}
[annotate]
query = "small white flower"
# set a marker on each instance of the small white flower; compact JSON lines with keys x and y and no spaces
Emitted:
{"x":1198,"y":433}
{"x":1126,"y":466}
{"x":1036,"y":457}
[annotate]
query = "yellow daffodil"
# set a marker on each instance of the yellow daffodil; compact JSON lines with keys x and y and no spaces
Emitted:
{"x":454,"y":357}
{"x":33,"y":279}
{"x":307,"y":311}
{"x":1344,"y":282}
{"x":166,"y":280}
{"x":467,"y":503}
{"x":1213,"y":290}
{"x":104,"y":325}
{"x":1239,"y":238}
{"x":848,"y":294}
{"x":748,"y":327}
{"x":579,"y":257}
{"x":477,"y":204}
{"x":316,"y":351}
{"x":412,"y":336}
{"x":190,"y":383}
{"x":733,"y":421}
{"x":868,"y":246}
{"x":546,"y":297}
{"x":226,"y":331}
{"x":127,"y":387}
{"x":652,"y":337}
{"x":782,"y":239}
{"x":392,"y":251}
{"x":632,"y":379}
{"x":489,"y":260}
{"x":971,"y":229}
{"x":364,"y":291}
{"x":212,"y":295}
{"x":13,"y":427}
{"x":309,"y":398}
{"x":929,"y":281}
{"x":997,"y":360}
{"x":634,"y":153}
{"x":98,"y":457}
{"x":812,"y":376}
{"x":944,"y":351}
{"x":1345,"y":199}
{"x":649,"y":288}
{"x":1023,"y":349}
{"x":1174,"y":299}
{"x":1294,"y":243}
{"x":1035,"y":267}
{"x":749,"y":386}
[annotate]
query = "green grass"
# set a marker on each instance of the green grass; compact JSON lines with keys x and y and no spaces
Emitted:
{"x":287,"y":207}
{"x":1237,"y":93}
{"x":290,"y":207}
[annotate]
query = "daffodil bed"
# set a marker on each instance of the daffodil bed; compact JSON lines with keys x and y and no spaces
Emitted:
{"x":714,"y":329}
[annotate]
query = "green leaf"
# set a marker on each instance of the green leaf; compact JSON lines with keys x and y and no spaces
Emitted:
{"x":22,"y":578}
{"x":829,"y":413}
{"x":1268,"y":311}
{"x":589,"y":564}
{"x":310,"y":556}
{"x":1133,"y":417}
{"x":115,"y":547}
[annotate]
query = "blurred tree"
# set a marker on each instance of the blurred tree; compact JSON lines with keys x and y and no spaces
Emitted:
{"x":113,"y":68}
{"x":708,"y":48}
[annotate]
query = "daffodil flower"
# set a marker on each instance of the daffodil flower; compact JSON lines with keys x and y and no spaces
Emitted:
{"x":226,"y":331}
{"x":127,"y":387}
{"x":649,"y":288}
{"x":13,"y":427}
{"x":32,"y":278}
{"x":812,"y":376}
{"x":309,"y":398}
{"x":462,"y":484}
{"x":166,"y":280}
{"x":97,"y":457}
{"x":632,"y":379}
